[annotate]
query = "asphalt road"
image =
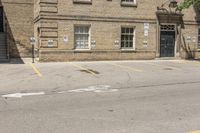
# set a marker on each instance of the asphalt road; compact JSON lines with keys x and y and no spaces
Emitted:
{"x":100,"y":97}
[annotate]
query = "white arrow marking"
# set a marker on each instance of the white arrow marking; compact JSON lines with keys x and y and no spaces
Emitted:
{"x":20,"y":95}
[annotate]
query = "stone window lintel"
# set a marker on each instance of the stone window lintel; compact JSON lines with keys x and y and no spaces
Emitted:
{"x":82,"y":1}
{"x":129,"y":4}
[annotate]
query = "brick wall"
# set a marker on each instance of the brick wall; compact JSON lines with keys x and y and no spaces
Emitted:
{"x":55,"y":19}
{"x":19,"y":20}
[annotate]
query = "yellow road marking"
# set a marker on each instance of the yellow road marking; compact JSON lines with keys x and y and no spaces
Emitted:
{"x":36,"y":70}
{"x":82,"y":68}
{"x":163,"y":66}
{"x":122,"y":66}
{"x":195,"y":131}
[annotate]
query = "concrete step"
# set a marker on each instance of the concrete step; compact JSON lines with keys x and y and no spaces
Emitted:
{"x":2,"y":43}
{"x":3,"y":47}
{"x":3,"y":57}
{"x":4,"y":60}
{"x":2,"y":38}
{"x":3,"y":52}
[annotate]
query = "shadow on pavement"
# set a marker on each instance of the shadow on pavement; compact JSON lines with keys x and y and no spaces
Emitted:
{"x":13,"y":61}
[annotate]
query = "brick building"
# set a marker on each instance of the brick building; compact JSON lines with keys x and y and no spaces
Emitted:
{"x":99,"y":29}
{"x":16,"y":27}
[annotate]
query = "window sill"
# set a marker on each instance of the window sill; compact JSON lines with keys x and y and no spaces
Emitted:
{"x":82,"y":1}
{"x":128,"y":50}
{"x":82,"y":50}
{"x":128,"y":4}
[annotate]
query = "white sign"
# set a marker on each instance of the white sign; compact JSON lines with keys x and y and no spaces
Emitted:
{"x":146,"y":32}
{"x":188,"y":38}
{"x":50,"y":43}
{"x":194,"y":39}
{"x":65,"y":39}
{"x":145,"y":43}
{"x":93,"y":44}
{"x":146,"y":26}
{"x":32,"y":40}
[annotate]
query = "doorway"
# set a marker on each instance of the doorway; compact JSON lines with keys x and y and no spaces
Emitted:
{"x":167,"y":41}
{"x":1,"y":19}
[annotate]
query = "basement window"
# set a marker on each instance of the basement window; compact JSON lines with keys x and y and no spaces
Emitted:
{"x":131,"y":3}
{"x":82,"y":1}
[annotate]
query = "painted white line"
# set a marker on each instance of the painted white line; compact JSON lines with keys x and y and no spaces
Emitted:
{"x":96,"y":89}
{"x":61,"y":92}
{"x":20,"y":95}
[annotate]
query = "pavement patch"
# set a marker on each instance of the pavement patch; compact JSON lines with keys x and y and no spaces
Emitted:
{"x":83,"y":69}
{"x":168,"y":69}
{"x":90,"y":70}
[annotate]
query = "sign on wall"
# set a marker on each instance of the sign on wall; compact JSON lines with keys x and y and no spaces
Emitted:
{"x":146,"y":29}
{"x":32,"y":41}
{"x":50,"y":43}
{"x":146,"y":33}
{"x":65,"y":39}
{"x":145,"y":43}
{"x":93,"y":44}
{"x":194,"y":39}
{"x":146,"y":26}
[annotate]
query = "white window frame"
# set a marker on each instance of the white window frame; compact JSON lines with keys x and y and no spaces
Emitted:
{"x":134,"y":38}
{"x":89,"y":38}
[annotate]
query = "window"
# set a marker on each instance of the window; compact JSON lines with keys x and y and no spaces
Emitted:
{"x":199,"y":39}
{"x":83,"y":1}
{"x":127,"y":38}
{"x":82,"y":35}
{"x":128,"y":3}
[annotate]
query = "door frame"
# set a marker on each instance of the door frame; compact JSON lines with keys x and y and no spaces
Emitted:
{"x":176,"y":47}
{"x":3,"y":19}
